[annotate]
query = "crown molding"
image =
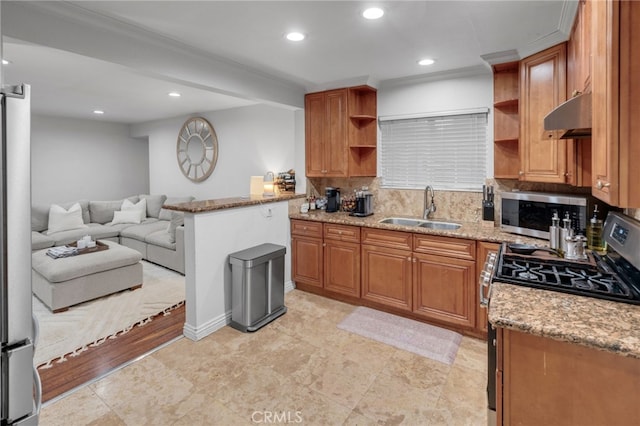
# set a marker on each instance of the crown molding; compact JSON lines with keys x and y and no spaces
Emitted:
{"x":438,"y":76}
{"x":501,"y":57}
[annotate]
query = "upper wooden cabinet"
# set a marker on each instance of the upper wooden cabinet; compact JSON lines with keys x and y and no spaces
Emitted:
{"x":616,"y":104}
{"x":341,"y":132}
{"x":506,"y":121}
{"x":543,"y":157}
{"x":579,"y":51}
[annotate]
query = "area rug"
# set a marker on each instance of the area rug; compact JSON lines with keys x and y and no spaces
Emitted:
{"x":423,"y":339}
{"x":91,"y":323}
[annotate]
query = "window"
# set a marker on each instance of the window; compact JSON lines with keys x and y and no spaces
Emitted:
{"x":447,"y":151}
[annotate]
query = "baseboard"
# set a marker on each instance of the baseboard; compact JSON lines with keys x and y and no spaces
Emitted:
{"x":211,"y":326}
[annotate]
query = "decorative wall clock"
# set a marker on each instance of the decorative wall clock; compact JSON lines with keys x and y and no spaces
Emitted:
{"x":197,"y":149}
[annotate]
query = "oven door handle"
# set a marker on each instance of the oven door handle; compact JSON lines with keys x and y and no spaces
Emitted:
{"x":485,"y":284}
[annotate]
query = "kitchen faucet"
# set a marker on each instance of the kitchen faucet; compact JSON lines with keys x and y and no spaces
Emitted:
{"x":429,"y":205}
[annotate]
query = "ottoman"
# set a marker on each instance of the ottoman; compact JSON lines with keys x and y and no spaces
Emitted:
{"x":60,"y":283}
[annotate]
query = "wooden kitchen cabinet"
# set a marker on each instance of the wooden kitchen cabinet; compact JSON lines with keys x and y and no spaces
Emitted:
{"x":543,"y":156}
{"x":483,"y":249}
{"x":307,"y":250}
{"x":542,"y":381}
{"x":342,"y":259}
{"x":387,"y":268}
{"x":341,"y":132}
{"x":579,"y":51}
{"x":326,"y":134}
{"x":616,"y":102}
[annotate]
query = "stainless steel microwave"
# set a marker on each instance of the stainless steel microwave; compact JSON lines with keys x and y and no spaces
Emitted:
{"x":530,"y":213}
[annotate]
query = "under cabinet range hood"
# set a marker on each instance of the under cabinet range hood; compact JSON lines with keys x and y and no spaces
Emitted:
{"x":571,"y":118}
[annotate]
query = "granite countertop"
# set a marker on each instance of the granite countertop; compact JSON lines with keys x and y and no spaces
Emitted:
{"x":228,"y":203}
{"x":599,"y":324}
{"x":470,"y":230}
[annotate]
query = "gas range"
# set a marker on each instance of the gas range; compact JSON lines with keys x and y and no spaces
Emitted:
{"x":599,"y":277}
{"x":612,"y":276}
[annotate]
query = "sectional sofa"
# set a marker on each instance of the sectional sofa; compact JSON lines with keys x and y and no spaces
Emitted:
{"x":138,"y":222}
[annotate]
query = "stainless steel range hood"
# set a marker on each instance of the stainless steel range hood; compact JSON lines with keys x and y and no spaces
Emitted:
{"x":572,"y":118}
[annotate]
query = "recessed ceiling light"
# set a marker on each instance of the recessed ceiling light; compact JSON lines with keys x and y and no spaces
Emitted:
{"x":98,"y":111}
{"x":373,"y":13}
{"x":5,"y":62}
{"x":174,"y":94}
{"x":295,"y":36}
{"x":426,"y":61}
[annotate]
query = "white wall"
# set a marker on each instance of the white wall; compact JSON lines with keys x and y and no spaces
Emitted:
{"x":451,"y":94}
{"x":75,"y":159}
{"x":251,"y":141}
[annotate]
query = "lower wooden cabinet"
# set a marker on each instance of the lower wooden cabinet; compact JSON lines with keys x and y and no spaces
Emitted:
{"x":387,"y":276}
{"x":342,"y":259}
{"x":542,"y":381}
{"x":443,"y":289}
{"x":307,"y":257}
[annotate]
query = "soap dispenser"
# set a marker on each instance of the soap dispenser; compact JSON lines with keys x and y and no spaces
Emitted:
{"x":595,"y":241}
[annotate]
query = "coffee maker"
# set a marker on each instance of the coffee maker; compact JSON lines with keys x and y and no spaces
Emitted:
{"x":364,"y":203}
{"x":333,"y":199}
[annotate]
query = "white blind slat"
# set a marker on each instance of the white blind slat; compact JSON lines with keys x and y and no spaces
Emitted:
{"x":448,"y":152}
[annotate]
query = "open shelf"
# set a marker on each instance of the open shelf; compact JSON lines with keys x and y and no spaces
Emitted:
{"x":507,"y":104}
{"x":363,"y":146}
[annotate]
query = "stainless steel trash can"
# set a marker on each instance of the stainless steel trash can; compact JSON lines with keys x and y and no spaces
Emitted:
{"x":257,"y":288}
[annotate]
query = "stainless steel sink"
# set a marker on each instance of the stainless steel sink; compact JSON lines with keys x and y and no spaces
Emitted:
{"x":431,"y":224}
{"x":402,"y":221}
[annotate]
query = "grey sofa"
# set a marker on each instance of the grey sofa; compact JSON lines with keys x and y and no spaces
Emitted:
{"x":159,"y":237}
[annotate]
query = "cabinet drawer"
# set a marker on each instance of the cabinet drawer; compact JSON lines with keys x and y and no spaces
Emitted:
{"x":392,"y":239}
{"x":445,"y":246}
{"x":306,"y":228}
{"x":342,"y":233}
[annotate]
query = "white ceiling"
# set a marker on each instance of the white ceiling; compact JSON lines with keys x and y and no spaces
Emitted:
{"x":341,"y":48}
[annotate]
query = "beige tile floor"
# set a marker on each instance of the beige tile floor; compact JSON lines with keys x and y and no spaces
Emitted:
{"x":300,"y":369}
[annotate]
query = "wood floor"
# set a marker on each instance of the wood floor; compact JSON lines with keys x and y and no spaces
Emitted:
{"x":97,"y":361}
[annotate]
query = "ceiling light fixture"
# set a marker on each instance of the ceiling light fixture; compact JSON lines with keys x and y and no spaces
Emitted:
{"x":5,"y":62}
{"x":174,"y":94}
{"x":98,"y":111}
{"x":295,"y":36}
{"x":373,"y":13}
{"x":426,"y":62}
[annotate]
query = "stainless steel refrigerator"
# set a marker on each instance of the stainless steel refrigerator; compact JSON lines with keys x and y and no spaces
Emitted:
{"x":20,"y":389}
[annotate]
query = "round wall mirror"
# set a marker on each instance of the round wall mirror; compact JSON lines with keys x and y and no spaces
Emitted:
{"x":197,"y":149}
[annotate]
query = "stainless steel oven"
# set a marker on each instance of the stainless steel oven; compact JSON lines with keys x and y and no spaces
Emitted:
{"x":613,"y":276}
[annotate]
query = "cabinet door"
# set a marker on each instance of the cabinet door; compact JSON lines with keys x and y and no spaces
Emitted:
{"x":387,"y":276}
{"x":543,"y":157}
{"x":483,"y":250}
{"x":315,"y":111}
{"x":342,"y":267}
{"x":307,"y":257}
{"x":444,"y":289}
{"x":335,"y":143}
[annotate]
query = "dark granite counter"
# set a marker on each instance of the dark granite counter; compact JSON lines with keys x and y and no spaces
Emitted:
{"x":599,"y":324}
{"x":229,"y":203}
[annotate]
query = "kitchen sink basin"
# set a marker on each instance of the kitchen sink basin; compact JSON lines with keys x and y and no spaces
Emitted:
{"x":431,"y":224}
{"x":402,"y":221}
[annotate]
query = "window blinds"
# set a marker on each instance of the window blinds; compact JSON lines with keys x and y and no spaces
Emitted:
{"x":446,"y":152}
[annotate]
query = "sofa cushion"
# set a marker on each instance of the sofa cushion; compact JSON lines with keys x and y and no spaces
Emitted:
{"x":60,"y":270}
{"x":166,"y":214}
{"x":140,"y":208}
{"x":61,"y":219}
{"x":126,"y":216}
{"x":161,"y":239}
{"x":176,"y":220}
{"x":120,"y":226}
{"x":95,"y":230}
{"x":41,"y":241}
{"x":102,"y":211}
{"x":39,"y":217}
{"x":154,"y":204}
{"x":84,"y":205}
{"x":139,"y":232}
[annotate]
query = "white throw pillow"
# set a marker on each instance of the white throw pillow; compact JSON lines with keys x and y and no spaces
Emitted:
{"x":140,"y":207}
{"x":127,"y":216}
{"x":61,"y":219}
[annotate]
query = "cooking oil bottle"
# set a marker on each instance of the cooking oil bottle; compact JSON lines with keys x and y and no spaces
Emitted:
{"x":595,"y":240}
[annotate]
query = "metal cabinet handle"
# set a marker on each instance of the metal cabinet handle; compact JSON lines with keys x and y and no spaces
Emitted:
{"x":600,"y":184}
